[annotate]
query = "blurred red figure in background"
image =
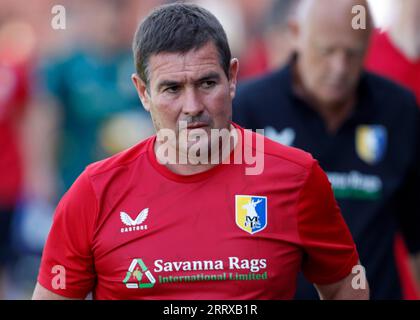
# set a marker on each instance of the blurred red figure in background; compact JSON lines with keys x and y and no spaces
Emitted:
{"x":15,"y":48}
{"x":395,"y":54}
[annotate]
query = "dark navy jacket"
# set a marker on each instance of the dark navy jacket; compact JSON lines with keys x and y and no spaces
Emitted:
{"x":372,"y":161}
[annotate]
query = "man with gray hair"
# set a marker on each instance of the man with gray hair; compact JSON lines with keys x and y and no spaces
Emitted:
{"x":200,"y":230}
{"x":363,"y":129}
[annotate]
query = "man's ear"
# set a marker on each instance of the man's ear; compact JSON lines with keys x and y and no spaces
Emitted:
{"x":141,"y":89}
{"x":233,"y":76}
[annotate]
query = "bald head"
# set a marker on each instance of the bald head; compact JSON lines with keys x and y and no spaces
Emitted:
{"x":331,"y":51}
{"x":338,"y":14}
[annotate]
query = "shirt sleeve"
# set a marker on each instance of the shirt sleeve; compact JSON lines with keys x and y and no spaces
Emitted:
{"x":330,"y":252}
{"x":68,"y":250}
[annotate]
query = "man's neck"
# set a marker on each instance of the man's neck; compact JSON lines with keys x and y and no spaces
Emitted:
{"x":404,"y":33}
{"x":189,"y":169}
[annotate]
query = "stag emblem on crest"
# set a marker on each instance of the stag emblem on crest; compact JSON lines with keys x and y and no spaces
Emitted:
{"x":251,"y":213}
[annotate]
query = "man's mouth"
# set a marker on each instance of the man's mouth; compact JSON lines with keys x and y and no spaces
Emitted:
{"x":197,"y":125}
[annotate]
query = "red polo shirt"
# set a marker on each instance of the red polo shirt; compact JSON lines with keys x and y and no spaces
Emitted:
{"x":131,"y":229}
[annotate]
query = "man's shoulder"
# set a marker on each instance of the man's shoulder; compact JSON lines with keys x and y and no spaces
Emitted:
{"x":271,"y":83}
{"x":392,"y":104}
{"x":278,"y":154}
{"x":259,"y":99}
{"x":288,"y":154}
{"x":388,"y":91}
{"x":122,"y":159}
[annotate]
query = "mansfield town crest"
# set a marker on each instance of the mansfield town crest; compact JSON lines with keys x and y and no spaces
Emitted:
{"x":251,"y":213}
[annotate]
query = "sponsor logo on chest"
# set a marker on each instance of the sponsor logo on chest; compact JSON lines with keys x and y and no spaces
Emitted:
{"x":137,"y":224}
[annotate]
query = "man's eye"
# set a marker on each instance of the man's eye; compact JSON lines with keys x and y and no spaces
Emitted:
{"x":208,"y":84}
{"x":326,"y":51}
{"x":173,"y":89}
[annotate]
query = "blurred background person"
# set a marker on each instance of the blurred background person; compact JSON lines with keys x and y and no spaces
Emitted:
{"x":98,"y":112}
{"x":244,"y":23}
{"x":75,"y":93}
{"x":278,"y":42}
{"x":14,"y":56}
{"x":253,"y":55}
{"x":363,"y":129}
{"x":395,"y":53}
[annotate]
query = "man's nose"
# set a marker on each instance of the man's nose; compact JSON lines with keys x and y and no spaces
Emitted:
{"x":339,"y":63}
{"x":192,"y":104}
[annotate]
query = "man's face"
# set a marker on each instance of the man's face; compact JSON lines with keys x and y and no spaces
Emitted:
{"x":190,"y":87}
{"x":331,"y":57}
{"x":413,"y":6}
